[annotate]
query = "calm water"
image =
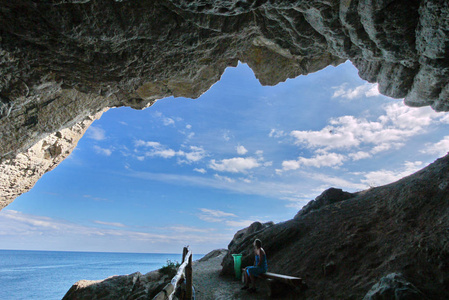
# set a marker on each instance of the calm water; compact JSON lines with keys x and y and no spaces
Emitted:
{"x":50,"y":274}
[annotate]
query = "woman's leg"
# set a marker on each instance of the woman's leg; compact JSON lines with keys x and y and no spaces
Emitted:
{"x":253,"y":280}
{"x":246,"y":277}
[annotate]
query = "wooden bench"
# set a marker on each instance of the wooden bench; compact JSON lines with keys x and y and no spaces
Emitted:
{"x":281,"y":284}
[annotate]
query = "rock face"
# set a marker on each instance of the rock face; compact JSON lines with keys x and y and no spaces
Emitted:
{"x":64,"y":60}
{"x":133,"y":286}
{"x":342,"y":249}
{"x":19,"y":175}
{"x":329,"y":196}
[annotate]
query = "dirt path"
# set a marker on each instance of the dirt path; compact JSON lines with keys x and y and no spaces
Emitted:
{"x":210,"y":286}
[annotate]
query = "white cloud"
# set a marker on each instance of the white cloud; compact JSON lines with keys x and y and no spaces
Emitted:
{"x":187,"y":229}
{"x":329,"y":181}
{"x":214,"y":216}
{"x":389,"y":131}
{"x":227,"y":135}
{"x":29,"y":222}
{"x":381,"y":177}
{"x":224,"y":178}
{"x":441,"y":148}
{"x":241,"y":150}
{"x":164,"y":153}
{"x":113,"y":224}
{"x":200,"y":170}
{"x":329,"y":137}
{"x":318,"y":161}
{"x":52,"y":234}
{"x":188,"y":126}
{"x":247,"y":180}
{"x":102,"y":151}
{"x":240,"y":223}
{"x":95,"y":198}
{"x":168,"y":121}
{"x":196,"y":154}
{"x":359,"y":155}
{"x":276,"y":133}
{"x":268,"y":188}
{"x":367,"y":90}
{"x":96,"y":133}
{"x":290,"y":165}
{"x":445,"y":118}
{"x":158,"y":150}
{"x":218,"y":216}
{"x":234,"y":165}
{"x":140,"y":143}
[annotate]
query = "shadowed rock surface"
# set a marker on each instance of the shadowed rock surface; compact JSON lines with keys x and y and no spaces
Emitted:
{"x":343,"y":248}
{"x":62,"y":61}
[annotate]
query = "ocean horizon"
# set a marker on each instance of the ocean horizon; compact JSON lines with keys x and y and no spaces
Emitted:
{"x":40,"y":274}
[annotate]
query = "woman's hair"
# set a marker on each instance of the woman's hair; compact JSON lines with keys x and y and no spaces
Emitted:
{"x":258,"y":243}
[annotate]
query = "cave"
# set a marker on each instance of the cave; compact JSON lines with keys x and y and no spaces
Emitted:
{"x":64,"y":62}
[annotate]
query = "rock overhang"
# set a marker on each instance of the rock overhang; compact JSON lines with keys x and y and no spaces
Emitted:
{"x":63,"y":61}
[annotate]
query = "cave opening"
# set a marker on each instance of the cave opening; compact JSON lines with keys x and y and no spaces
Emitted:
{"x":195,"y":171}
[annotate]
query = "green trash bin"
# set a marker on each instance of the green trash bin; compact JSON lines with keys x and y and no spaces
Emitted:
{"x":237,"y":265}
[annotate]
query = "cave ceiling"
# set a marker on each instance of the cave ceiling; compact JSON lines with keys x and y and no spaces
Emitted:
{"x":63,"y":62}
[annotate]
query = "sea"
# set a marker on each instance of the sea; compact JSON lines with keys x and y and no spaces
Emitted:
{"x":48,"y":275}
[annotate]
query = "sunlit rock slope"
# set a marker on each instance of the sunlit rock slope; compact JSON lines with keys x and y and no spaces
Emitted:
{"x":62,"y":61}
{"x":132,"y":286}
{"x":344,"y":244}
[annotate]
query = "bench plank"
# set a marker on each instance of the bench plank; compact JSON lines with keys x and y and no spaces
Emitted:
{"x":294,"y":281}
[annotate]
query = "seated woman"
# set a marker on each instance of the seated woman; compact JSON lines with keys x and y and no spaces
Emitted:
{"x":260,"y":266}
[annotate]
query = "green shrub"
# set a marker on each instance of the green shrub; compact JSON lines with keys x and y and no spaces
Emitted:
{"x":170,"y":269}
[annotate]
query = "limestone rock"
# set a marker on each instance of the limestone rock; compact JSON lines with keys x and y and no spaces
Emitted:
{"x":213,"y":254}
{"x":344,"y":247}
{"x":394,"y":286}
{"x":133,"y":286}
{"x":19,"y":175}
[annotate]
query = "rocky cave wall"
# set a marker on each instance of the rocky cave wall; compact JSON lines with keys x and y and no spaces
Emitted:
{"x":63,"y":61}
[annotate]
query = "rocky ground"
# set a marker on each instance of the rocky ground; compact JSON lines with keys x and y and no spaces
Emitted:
{"x":209,"y":285}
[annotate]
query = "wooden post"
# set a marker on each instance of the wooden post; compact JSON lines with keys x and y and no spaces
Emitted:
{"x":189,"y":282}
{"x":184,"y":271}
{"x":184,"y":253}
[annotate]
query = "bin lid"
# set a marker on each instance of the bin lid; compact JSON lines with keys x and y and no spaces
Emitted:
{"x":236,"y":255}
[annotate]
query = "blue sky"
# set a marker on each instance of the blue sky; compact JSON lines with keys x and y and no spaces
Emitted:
{"x":193,"y":172}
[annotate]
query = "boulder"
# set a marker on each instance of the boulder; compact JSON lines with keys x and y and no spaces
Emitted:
{"x":242,"y":243}
{"x":133,"y":286}
{"x":394,"y":287}
{"x":329,"y":196}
